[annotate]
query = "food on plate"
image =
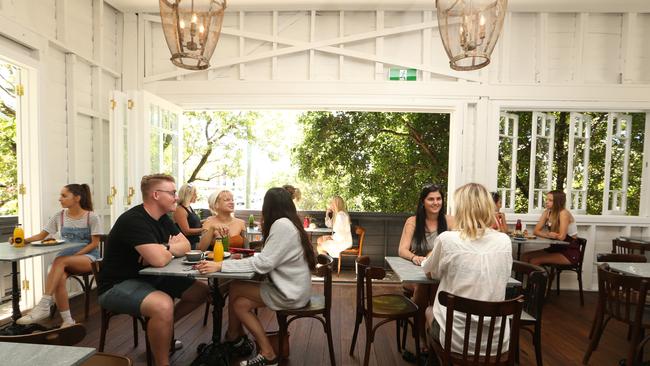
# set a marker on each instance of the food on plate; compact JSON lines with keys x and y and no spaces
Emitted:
{"x":49,"y":241}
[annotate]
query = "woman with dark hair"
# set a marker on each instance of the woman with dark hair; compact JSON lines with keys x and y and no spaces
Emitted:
{"x":418,"y":235}
{"x":499,"y":217}
{"x":287,"y":258}
{"x":76,"y":223}
{"x":556,"y":223}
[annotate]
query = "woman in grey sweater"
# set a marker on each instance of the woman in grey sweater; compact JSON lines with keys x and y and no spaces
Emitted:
{"x":287,"y":259}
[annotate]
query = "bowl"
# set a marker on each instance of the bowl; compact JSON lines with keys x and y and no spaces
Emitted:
{"x":194,"y":255}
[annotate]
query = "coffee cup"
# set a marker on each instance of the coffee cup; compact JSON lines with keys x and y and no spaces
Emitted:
{"x":194,"y":255}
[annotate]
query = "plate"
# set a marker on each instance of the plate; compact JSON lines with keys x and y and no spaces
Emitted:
{"x":190,"y":262}
{"x":40,"y":243}
{"x":518,"y":238}
{"x":225,"y":255}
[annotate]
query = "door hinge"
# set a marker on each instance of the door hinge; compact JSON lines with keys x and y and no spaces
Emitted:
{"x":129,"y":197}
{"x":113,"y":104}
{"x":109,"y":198}
{"x":130,"y":104}
{"x":22,"y":189}
{"x":20,"y":90}
{"x":26,"y":285}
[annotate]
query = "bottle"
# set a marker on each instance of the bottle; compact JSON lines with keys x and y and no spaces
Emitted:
{"x":251,"y":221}
{"x":226,"y":243}
{"x":218,"y":250}
{"x":19,"y":236}
{"x":305,"y":222}
{"x":518,"y":227}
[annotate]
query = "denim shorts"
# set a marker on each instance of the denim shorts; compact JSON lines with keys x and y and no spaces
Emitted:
{"x":92,"y":255}
{"x":127,"y":296}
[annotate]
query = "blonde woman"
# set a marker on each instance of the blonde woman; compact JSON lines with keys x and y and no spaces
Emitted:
{"x":186,"y":219}
{"x":473,"y":261}
{"x":223,"y":222}
{"x":338,"y":219}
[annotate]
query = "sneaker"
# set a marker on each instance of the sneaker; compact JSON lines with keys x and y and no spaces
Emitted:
{"x":37,"y":314}
{"x":259,"y":360}
{"x":242,"y":346}
{"x":67,"y":324}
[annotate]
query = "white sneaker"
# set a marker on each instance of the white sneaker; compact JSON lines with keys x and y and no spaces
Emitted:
{"x":37,"y":314}
{"x":66,"y":324}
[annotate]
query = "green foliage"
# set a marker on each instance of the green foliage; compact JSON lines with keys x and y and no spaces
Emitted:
{"x":376,"y":161}
{"x":8,"y":156}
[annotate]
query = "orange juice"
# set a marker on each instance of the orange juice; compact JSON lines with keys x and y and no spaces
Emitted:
{"x":19,"y":236}
{"x":218,"y":250}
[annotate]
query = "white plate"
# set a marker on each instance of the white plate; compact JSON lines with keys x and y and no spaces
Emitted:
{"x":190,"y":262}
{"x":225,"y":255}
{"x":39,"y":243}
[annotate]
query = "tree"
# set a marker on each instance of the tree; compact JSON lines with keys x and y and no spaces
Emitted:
{"x":376,"y":161}
{"x":8,"y":153}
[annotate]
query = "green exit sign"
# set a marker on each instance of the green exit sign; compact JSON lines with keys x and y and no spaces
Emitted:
{"x":402,"y":74}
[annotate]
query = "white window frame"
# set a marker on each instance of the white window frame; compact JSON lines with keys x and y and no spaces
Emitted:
{"x":579,"y":131}
{"x":536,"y":195}
{"x":509,"y":129}
{"x":615,"y":200}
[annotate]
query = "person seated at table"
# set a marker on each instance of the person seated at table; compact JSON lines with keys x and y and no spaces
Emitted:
{"x":295,"y":193}
{"x":337,"y":218}
{"x":556,"y":223}
{"x":223,"y":222}
{"x":499,"y":217}
{"x":76,"y":223}
{"x":287,"y":258}
{"x":187,"y":220}
{"x":145,"y":236}
{"x":418,"y":236}
{"x":472,"y":261}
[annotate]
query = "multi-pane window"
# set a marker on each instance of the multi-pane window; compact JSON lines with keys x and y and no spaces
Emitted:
{"x":164,"y":147}
{"x":596,"y":158}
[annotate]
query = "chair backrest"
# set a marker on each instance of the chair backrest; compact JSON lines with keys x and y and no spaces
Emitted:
{"x":324,"y":270}
{"x":582,"y":242}
{"x":103,"y":239}
{"x":534,"y":279}
{"x":67,"y":336}
{"x":616,"y":257}
{"x":361,"y":233}
{"x":107,"y":359}
{"x":365,"y":275}
{"x":480,"y":310}
{"x":619,"y":294}
{"x":623,"y":246}
{"x":96,"y":267}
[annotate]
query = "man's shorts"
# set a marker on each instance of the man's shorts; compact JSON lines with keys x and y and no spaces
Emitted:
{"x":127,"y":296}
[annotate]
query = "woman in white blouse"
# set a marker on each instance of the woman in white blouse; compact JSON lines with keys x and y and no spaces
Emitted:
{"x":473,"y":261}
{"x":338,"y":219}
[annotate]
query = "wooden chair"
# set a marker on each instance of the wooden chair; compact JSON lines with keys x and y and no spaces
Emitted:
{"x":388,"y":307}
{"x":618,"y":298}
{"x":556,"y":270}
{"x":487,"y":314}
{"x":67,"y":336}
{"x":107,"y":359}
{"x":615,"y":257}
{"x":85,"y":281}
{"x":356,"y":250}
{"x":319,"y":307}
{"x":106,"y":317}
{"x":624,"y":246}
{"x":534,"y":279}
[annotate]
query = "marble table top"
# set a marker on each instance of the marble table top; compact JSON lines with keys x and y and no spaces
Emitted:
{"x":410,"y":273}
{"x":20,"y":354}
{"x":9,"y":253}
{"x":318,"y":230}
{"x":178,"y":269}
{"x":634,"y":269}
{"x":538,"y":241}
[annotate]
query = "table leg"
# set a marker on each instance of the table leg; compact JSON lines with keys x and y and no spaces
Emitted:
{"x":217,"y":311}
{"x":518,"y":251}
{"x":214,"y":353}
{"x":15,"y":292}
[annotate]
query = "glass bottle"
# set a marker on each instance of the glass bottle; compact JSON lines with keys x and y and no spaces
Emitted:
{"x":218,"y":250}
{"x":19,"y":236}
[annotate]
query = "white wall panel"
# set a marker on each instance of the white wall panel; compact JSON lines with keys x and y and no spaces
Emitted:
{"x":112,"y":21}
{"x":158,"y":62}
{"x":523,"y":46}
{"x":83,"y":154}
{"x":327,"y":25}
{"x":560,"y":44}
{"x":640,"y":50}
{"x":79,"y":30}
{"x":602,"y":51}
{"x":83,"y":85}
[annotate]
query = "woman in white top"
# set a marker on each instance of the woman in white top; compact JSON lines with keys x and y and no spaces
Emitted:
{"x":473,"y":261}
{"x":287,"y":258}
{"x":338,"y":219}
{"x":556,"y":223}
{"x":76,"y":223}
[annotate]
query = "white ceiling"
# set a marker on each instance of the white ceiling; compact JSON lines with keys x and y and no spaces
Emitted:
{"x":598,"y":6}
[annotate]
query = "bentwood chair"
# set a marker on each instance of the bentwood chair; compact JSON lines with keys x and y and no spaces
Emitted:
{"x":85,"y":281}
{"x":107,"y":359}
{"x":388,"y":307}
{"x":481,"y":332}
{"x":533,"y":279}
{"x":623,"y":246}
{"x":620,"y":297}
{"x":319,"y":307}
{"x":106,"y":317}
{"x":616,"y":257}
{"x":67,"y":336}
{"x":357,"y":246}
{"x":556,"y":270}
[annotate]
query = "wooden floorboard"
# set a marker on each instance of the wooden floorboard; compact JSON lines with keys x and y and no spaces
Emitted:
{"x":564,"y":334}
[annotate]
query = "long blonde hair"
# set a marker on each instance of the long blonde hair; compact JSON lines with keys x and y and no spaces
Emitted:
{"x":339,"y":204}
{"x":474,"y":210}
{"x":185,"y":194}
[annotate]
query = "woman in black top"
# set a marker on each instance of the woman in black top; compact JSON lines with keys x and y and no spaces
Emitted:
{"x":187,"y":220}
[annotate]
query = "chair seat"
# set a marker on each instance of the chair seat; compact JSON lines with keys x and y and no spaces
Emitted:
{"x":390,"y":305}
{"x":350,"y":251}
{"x":316,"y":305}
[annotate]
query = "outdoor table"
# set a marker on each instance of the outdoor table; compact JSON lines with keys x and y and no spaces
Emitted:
{"x":9,"y":253}
{"x":251,"y":233}
{"x":536,"y":241}
{"x":411,"y":273}
{"x":634,"y":269}
{"x":20,"y":354}
{"x":177,"y":269}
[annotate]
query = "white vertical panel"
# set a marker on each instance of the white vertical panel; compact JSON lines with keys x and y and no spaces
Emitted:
{"x":579,"y":133}
{"x":619,"y":129}
{"x":509,"y":130}
{"x":543,"y":129}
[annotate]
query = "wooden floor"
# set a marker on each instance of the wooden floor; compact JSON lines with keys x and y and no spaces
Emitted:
{"x":565,"y":330}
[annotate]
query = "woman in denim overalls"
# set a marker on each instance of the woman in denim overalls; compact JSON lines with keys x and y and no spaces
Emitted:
{"x":76,"y":223}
